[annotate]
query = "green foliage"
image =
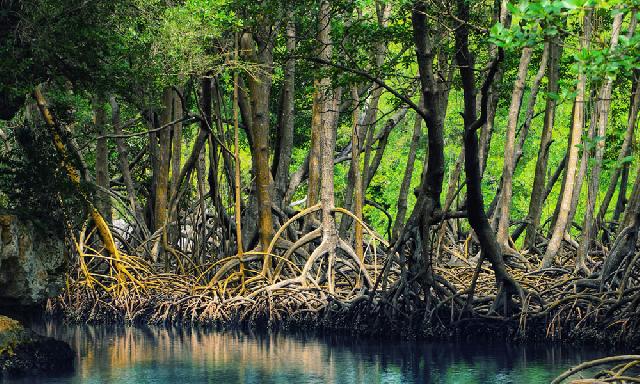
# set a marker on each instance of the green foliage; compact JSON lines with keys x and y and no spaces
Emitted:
{"x":34,"y":185}
{"x":133,"y":49}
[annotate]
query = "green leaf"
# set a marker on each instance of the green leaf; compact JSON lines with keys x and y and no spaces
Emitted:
{"x":573,"y":4}
{"x":625,"y":160}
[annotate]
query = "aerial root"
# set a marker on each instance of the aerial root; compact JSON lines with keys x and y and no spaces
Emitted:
{"x":334,"y":286}
{"x":128,"y":288}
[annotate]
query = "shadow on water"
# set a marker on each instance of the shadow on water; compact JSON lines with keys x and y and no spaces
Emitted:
{"x":121,"y":354}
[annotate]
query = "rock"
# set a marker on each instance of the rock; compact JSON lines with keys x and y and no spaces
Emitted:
{"x":31,"y":263}
{"x":23,"y":352}
{"x":11,"y":333}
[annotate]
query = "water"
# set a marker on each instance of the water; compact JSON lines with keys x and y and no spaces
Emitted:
{"x":108,"y":354}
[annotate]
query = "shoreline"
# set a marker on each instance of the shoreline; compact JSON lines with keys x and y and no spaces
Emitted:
{"x":467,"y":329}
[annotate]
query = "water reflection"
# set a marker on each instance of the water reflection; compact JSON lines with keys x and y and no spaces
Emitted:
{"x":121,"y":354}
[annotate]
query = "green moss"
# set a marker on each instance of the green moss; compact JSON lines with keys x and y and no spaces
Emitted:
{"x":11,"y":333}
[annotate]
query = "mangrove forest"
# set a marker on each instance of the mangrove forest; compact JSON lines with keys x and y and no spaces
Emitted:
{"x":415,"y":169}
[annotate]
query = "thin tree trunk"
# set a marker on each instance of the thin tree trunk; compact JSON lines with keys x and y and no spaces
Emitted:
{"x":200,"y":223}
{"x":313,"y":184}
{"x":502,"y":15}
{"x":176,"y":157}
{"x":509,"y":161}
{"x":603,"y":105}
{"x":584,"y":162}
{"x":123,"y":162}
{"x":282,"y":157}
{"x":621,"y":202}
{"x":522,"y":137}
{"x":236,"y":157}
{"x":356,"y":177}
{"x":370,"y":165}
{"x":633,"y":207}
{"x":162,"y":182}
{"x":625,"y":151}
{"x":368,"y":121}
{"x":536,"y":202}
{"x":102,"y":160}
{"x":408,"y":173}
{"x":531,"y":104}
{"x":578,"y":121}
{"x":155,"y":164}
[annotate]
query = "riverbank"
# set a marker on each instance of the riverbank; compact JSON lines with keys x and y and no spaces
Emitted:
{"x":557,"y":307}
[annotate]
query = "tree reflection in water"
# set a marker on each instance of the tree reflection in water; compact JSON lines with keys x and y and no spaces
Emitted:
{"x":193,"y":355}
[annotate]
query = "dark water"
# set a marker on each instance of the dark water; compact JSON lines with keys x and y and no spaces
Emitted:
{"x":107,"y":354}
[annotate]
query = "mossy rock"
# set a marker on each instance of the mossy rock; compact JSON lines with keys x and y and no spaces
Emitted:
{"x":11,"y":334}
{"x":24,"y":352}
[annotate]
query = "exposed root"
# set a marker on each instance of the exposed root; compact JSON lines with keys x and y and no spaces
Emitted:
{"x":371,"y":295}
{"x":617,"y":374}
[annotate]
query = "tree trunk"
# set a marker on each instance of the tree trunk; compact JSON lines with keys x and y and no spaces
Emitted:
{"x":408,"y":173}
{"x":622,"y":167}
{"x":313,"y":184}
{"x":327,"y":109}
{"x":428,"y":195}
{"x":236,"y":157}
{"x":576,"y":131}
{"x":102,"y":160}
{"x":531,"y":104}
{"x":368,"y":121}
{"x":518,"y":150}
{"x":475,"y":201}
{"x":123,"y":162}
{"x":176,"y":157}
{"x":603,"y":104}
{"x":76,"y":176}
{"x":152,"y":121}
{"x":502,"y":15}
{"x":200,"y":222}
{"x":282,"y":157}
{"x":633,"y":207}
{"x":260,"y":48}
{"x":509,"y":160}
{"x":628,"y":140}
{"x":584,"y":162}
{"x":356,"y":178}
{"x":536,"y":202}
{"x":162,"y":181}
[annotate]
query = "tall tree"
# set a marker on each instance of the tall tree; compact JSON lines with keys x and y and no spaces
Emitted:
{"x":570,"y":172}
{"x":537,"y":191}
{"x":102,"y":159}
{"x":406,"y":179}
{"x":161,"y":172}
{"x":509,"y":151}
{"x":475,"y":201}
{"x":282,"y":156}
{"x":603,"y":105}
{"x":259,"y":49}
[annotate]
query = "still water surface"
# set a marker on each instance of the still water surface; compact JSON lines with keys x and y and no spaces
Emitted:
{"x":108,"y":354}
